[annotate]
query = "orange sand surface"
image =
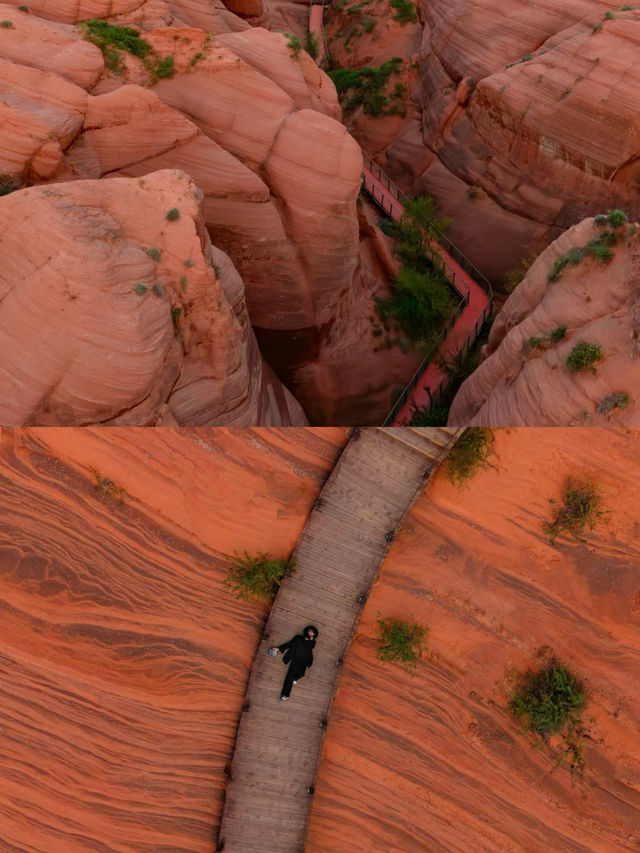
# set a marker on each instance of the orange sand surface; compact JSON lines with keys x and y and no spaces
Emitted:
{"x":435,"y":762}
{"x":124,"y":661}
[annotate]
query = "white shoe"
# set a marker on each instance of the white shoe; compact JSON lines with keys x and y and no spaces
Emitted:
{"x":295,"y":682}
{"x":283,"y":699}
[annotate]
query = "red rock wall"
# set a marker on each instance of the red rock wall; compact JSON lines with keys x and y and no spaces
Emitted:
{"x":124,"y":660}
{"x":524,"y":383}
{"x":434,"y":762}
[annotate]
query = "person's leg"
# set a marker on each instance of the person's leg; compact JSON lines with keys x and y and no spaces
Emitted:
{"x":288,"y":682}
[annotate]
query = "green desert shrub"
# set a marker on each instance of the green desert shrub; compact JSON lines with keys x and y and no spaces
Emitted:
{"x":583,"y":356}
{"x":405,"y":11}
{"x":294,"y":45}
{"x":420,"y":303}
{"x":547,"y":700}
{"x":558,"y":334}
{"x":468,"y":455}
{"x":165,"y":67}
{"x":401,"y":641}
{"x":107,"y":36}
{"x":172,"y":215}
{"x":580,"y":509}
{"x":619,"y":400}
{"x":257,"y":577}
{"x":311,"y":45}
{"x":367,"y":87}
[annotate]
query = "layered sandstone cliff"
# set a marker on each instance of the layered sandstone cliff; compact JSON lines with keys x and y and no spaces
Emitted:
{"x":257,"y":130}
{"x":116,"y":309}
{"x":520,"y":121}
{"x":124,"y":659}
{"x":435,"y":761}
{"x":526,"y":378}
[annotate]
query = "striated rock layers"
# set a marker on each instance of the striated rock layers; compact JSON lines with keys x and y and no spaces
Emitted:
{"x":112,"y":312}
{"x":257,"y":130}
{"x":435,"y":762}
{"x":124,"y":659}
{"x":525,"y":379}
{"x":521,"y":122}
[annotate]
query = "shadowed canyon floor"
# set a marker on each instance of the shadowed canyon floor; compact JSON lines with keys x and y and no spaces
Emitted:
{"x":434,"y":763}
{"x":124,"y":660}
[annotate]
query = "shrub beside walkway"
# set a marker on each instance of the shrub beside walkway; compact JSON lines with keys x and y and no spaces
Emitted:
{"x":379,"y":475}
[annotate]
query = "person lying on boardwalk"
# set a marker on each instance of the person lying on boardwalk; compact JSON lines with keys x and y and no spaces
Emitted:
{"x":299,"y":655}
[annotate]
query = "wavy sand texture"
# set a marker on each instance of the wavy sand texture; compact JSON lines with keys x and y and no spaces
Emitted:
{"x":124,"y":661}
{"x":434,"y":762}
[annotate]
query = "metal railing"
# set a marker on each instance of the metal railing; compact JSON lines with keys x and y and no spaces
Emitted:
{"x":389,"y":205}
{"x":441,"y":238}
{"x":435,"y":395}
{"x":409,"y":388}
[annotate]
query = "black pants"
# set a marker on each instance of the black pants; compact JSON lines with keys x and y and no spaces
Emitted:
{"x":293,"y":674}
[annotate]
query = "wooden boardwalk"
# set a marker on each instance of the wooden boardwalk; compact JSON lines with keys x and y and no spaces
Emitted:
{"x":379,"y":475}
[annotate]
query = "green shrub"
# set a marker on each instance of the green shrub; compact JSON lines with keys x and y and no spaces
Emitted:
{"x":513,"y":278}
{"x":107,"y":36}
{"x":369,"y":24}
{"x":154,"y":254}
{"x":140,"y":288}
{"x":257,"y":577}
{"x":405,"y":11}
{"x":556,"y":268}
{"x":547,"y":700}
{"x":23,"y":8}
{"x":558,"y":334}
{"x":420,"y":303}
{"x":311,"y":45}
{"x":172,"y":215}
{"x":619,"y":400}
{"x":581,"y":508}
{"x":402,"y":641}
{"x":294,"y":45}
{"x":534,"y":343}
{"x":111,"y":39}
{"x":608,"y":15}
{"x":616,"y":218}
{"x":366,"y":87}
{"x":583,"y":356}
{"x":165,"y":67}
{"x":183,"y":283}
{"x":468,"y":455}
{"x":6,"y":25}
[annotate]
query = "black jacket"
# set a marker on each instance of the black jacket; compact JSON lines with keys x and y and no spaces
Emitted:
{"x":298,"y":652}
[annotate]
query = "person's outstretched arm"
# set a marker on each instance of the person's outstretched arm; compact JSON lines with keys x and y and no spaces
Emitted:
{"x":286,"y":645}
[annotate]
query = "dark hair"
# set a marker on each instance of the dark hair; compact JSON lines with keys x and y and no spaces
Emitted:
{"x":311,"y":628}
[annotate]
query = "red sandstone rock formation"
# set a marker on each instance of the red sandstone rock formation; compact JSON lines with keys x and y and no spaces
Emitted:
{"x":525,"y":380}
{"x":124,"y":659}
{"x":114,"y":313}
{"x":520,"y":123}
{"x":256,"y":128}
{"x":435,"y":762}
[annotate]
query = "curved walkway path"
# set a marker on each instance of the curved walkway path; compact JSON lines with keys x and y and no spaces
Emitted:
{"x":278,"y":748}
